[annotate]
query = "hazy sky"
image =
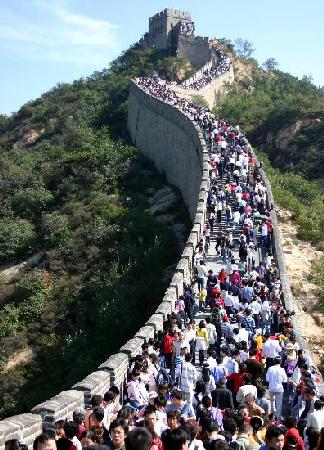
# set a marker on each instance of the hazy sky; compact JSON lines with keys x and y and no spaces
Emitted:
{"x":44,"y":42}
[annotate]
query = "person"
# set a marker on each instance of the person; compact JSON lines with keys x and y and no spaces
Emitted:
{"x":202,"y":341}
{"x":173,"y":419}
{"x":150,"y":422}
{"x":44,"y":442}
{"x":315,"y":419}
{"x":270,"y":350}
{"x":178,"y":404}
{"x":208,"y":379}
{"x":65,"y":442}
{"x":175,"y":439}
{"x":88,"y":437}
{"x":275,"y":438}
{"x":118,"y":433}
{"x":187,"y":378}
{"x":201,"y":274}
{"x":138,"y":439}
{"x":78,"y":418}
{"x":275,"y":376}
{"x":247,"y":388}
{"x":134,"y":393}
{"x":222,"y":397}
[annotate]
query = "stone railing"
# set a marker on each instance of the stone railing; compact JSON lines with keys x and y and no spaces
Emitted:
{"x":197,"y":75}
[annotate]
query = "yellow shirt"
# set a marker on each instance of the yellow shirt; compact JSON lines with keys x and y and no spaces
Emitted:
{"x":258,"y":341}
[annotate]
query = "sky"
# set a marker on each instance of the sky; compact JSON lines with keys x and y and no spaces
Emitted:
{"x":45,"y":42}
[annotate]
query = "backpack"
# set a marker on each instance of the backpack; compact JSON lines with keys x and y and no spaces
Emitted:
{"x":163,"y":377}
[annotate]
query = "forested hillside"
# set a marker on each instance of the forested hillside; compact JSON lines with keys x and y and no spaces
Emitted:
{"x":282,"y":115}
{"x":72,"y":188}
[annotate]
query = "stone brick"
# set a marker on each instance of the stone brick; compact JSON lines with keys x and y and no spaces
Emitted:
{"x":133,"y":347}
{"x":146,"y":332}
{"x":177,"y":282}
{"x":183,"y":268}
{"x":116,"y":365}
{"x":188,"y":254}
{"x":97,"y":383}
{"x":24,"y":427}
{"x":165,"y":309}
{"x":60,"y":406}
{"x":156,"y":320}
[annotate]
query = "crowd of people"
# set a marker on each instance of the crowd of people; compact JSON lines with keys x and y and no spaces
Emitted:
{"x":237,"y":379}
{"x":187,"y":28}
{"x":222,"y":67}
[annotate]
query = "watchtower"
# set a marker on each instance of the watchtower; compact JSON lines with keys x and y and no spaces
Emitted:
{"x":161,"y":27}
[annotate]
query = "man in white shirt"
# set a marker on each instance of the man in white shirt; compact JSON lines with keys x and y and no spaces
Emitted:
{"x":316,"y":419}
{"x":271,"y":349}
{"x":211,"y":329}
{"x":248,"y":388}
{"x":187,"y":378}
{"x":201,"y":274}
{"x":255,"y":307}
{"x":275,"y":376}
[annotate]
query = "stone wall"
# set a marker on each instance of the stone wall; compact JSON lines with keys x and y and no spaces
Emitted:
{"x":171,"y":140}
{"x":212,"y":92}
{"x":196,"y":50}
{"x":175,"y":143}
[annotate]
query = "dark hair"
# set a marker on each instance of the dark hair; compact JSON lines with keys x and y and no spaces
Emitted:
{"x":210,"y":425}
{"x":99,"y":414}
{"x":318,"y":404}
{"x":109,"y":396}
{"x":71,"y":429}
{"x":138,"y":439}
{"x":115,"y":390}
{"x":177,"y":395}
{"x":90,"y":434}
{"x":119,"y":423}
{"x":96,"y":400}
{"x":230,"y":425}
{"x":290,"y":422}
{"x":174,"y":415}
{"x":273,"y":432}
{"x":60,"y":423}
{"x":79,"y":416}
{"x":174,"y":439}
{"x":219,"y":444}
{"x":41,"y":440}
{"x":312,"y":437}
{"x":206,"y":401}
{"x":149,"y":410}
{"x":14,"y":444}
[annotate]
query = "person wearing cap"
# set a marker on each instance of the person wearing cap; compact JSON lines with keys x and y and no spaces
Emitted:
{"x":275,"y":376}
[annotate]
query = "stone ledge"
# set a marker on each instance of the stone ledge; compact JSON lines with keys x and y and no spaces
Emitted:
{"x":60,"y":406}
{"x":95,"y":383}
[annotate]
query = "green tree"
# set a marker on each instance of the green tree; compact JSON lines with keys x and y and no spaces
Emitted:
{"x":16,"y":237}
{"x":270,"y":64}
{"x":243,"y":48}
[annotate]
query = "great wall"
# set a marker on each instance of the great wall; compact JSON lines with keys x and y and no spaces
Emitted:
{"x":176,"y":145}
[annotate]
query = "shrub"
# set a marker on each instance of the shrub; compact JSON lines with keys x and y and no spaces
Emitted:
{"x":16,"y":237}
